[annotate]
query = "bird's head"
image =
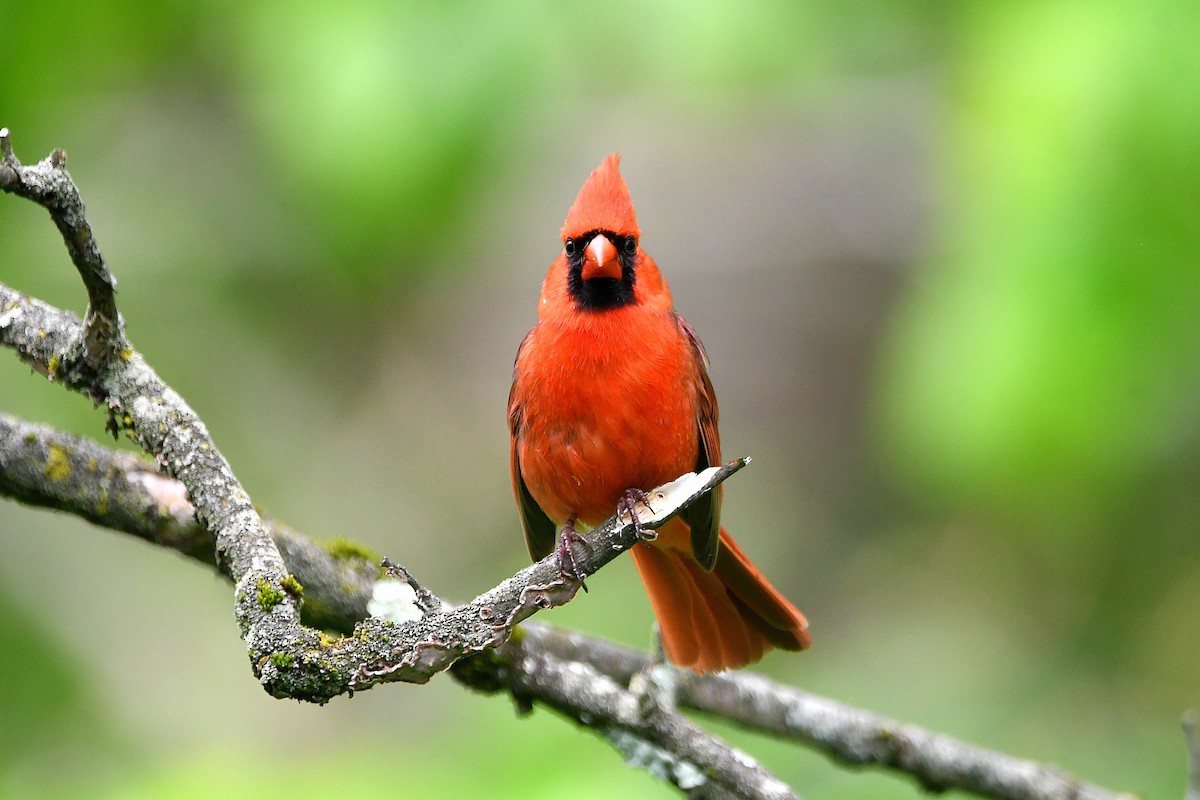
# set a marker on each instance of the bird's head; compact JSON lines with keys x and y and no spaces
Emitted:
{"x":600,"y":241}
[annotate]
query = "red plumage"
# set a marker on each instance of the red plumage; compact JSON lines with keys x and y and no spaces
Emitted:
{"x":611,"y":394}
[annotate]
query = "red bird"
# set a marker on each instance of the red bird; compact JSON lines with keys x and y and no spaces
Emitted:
{"x":611,"y":397}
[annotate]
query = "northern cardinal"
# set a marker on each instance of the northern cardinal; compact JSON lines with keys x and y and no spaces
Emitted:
{"x":611,"y":397}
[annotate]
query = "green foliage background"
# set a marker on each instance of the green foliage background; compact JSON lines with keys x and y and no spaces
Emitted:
{"x":944,"y":257}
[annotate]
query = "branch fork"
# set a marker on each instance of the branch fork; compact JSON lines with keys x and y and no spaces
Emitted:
{"x":289,"y":659}
{"x":381,"y":650}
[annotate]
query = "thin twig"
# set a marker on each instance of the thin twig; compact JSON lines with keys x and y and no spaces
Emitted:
{"x":49,"y":185}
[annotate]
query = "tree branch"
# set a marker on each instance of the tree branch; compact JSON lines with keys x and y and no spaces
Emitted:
{"x":341,"y":578}
{"x":46,"y":468}
{"x":95,"y":359}
{"x":49,"y":185}
{"x":857,"y":737}
{"x":844,"y":733}
{"x":290,"y":660}
{"x":43,"y":467}
{"x":664,"y":742}
{"x":595,"y":683}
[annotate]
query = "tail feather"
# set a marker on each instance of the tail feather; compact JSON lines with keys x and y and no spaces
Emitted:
{"x":737,"y":642}
{"x":672,"y":598}
{"x":721,"y":619}
{"x":779,"y":620}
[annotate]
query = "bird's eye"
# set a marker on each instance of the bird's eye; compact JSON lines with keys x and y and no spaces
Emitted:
{"x":630,"y":246}
{"x":569,"y":248}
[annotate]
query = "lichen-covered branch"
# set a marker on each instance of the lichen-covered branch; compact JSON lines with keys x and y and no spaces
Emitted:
{"x":695,"y":761}
{"x":858,"y":737}
{"x":93,"y":357}
{"x":844,"y":733}
{"x":290,"y":659}
{"x":43,"y":467}
{"x":47,"y":468}
{"x":278,"y":572}
{"x":382,"y":651}
{"x":49,"y":185}
{"x":118,"y":490}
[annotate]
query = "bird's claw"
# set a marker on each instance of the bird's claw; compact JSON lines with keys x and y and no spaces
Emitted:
{"x":568,"y":565}
{"x":627,"y":504}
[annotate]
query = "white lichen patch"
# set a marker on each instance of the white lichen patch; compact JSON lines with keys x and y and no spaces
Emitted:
{"x":9,"y":316}
{"x":658,"y":762}
{"x":394,"y":600}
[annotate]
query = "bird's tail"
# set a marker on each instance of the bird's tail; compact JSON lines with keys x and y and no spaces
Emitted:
{"x":717,"y":620}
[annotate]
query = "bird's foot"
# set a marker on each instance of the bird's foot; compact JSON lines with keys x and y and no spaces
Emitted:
{"x":627,"y":504}
{"x":567,"y":563}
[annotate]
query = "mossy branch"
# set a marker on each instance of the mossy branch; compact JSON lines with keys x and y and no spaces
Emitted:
{"x":121,"y":491}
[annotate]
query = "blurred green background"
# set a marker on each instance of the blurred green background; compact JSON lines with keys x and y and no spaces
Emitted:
{"x":943,"y":256}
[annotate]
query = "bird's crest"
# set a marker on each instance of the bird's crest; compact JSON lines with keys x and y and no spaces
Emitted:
{"x":603,"y":204}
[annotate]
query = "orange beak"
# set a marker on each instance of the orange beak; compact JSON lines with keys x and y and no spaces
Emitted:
{"x":600,"y":259}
